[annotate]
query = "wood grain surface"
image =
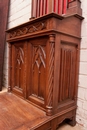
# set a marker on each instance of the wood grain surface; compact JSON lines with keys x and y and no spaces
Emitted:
{"x":4,"y":8}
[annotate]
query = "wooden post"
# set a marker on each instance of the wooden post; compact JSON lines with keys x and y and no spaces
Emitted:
{"x":33,"y":9}
{"x":50,"y":79}
{"x":9,"y":68}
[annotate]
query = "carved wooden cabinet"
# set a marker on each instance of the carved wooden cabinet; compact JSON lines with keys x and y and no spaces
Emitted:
{"x":43,"y":64}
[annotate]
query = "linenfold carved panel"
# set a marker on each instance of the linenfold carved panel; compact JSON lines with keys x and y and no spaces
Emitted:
{"x":27,"y":29}
{"x":67,"y":72}
{"x":38,"y":67}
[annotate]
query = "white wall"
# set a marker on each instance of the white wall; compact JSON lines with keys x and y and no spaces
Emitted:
{"x":82,"y":92}
{"x":20,"y":12}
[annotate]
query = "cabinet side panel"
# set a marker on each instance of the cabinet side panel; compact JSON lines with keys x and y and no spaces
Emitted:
{"x":68,"y":58}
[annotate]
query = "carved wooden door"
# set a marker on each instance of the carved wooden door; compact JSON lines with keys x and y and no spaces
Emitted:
{"x":36,"y":82}
{"x":18,"y":68}
{"x":68,"y":69}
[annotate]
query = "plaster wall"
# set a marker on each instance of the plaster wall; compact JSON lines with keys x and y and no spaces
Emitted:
{"x":19,"y":12}
{"x":82,"y":83}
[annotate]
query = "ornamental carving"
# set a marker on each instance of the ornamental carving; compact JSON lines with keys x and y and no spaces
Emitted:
{"x":28,"y":29}
{"x":39,"y":57}
{"x":38,"y":68}
{"x":50,"y":80}
{"x":19,"y":66}
{"x":20,"y":56}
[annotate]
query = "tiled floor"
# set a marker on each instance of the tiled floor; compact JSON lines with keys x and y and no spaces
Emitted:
{"x":62,"y":127}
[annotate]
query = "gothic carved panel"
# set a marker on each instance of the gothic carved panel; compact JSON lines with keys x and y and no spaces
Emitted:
{"x":39,"y":67}
{"x":18,"y":67}
{"x":19,"y":63}
{"x":67,"y":72}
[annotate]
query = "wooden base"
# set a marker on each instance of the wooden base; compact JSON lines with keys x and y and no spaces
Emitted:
{"x":17,"y":114}
{"x":72,"y":122}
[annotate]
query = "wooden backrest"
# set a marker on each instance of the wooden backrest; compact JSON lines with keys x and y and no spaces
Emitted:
{"x":42,"y":7}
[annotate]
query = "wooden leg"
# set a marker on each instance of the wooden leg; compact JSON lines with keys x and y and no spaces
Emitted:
{"x":54,"y":124}
{"x":9,"y":89}
{"x":72,"y":122}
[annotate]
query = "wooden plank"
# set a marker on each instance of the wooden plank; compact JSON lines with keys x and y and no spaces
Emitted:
{"x":4,"y":7}
{"x":17,"y":114}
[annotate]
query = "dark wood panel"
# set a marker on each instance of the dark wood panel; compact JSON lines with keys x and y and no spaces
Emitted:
{"x":68,"y":61}
{"x":39,"y":65}
{"x":37,"y":85}
{"x":4,"y":7}
{"x":18,"y":67}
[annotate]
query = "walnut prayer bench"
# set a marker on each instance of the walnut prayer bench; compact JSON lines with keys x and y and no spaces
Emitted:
{"x":43,"y":66}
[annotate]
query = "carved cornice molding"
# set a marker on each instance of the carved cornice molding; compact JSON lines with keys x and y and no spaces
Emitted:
{"x":27,"y":30}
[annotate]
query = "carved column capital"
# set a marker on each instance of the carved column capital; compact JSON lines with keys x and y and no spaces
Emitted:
{"x":52,"y":38}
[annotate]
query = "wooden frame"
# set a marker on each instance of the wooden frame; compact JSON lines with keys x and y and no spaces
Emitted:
{"x":4,"y":8}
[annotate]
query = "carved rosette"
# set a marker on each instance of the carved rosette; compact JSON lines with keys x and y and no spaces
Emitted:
{"x":50,"y":75}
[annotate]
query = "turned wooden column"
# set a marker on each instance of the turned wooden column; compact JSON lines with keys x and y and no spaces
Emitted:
{"x":9,"y":67}
{"x":33,"y":9}
{"x":50,"y":77}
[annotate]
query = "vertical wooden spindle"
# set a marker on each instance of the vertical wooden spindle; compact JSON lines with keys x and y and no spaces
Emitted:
{"x":50,"y":77}
{"x":41,"y":7}
{"x":44,"y":9}
{"x":34,"y":8}
{"x":38,"y":8}
{"x":9,"y":68}
{"x":46,"y":6}
{"x":60,"y":2}
{"x":64,"y":7}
